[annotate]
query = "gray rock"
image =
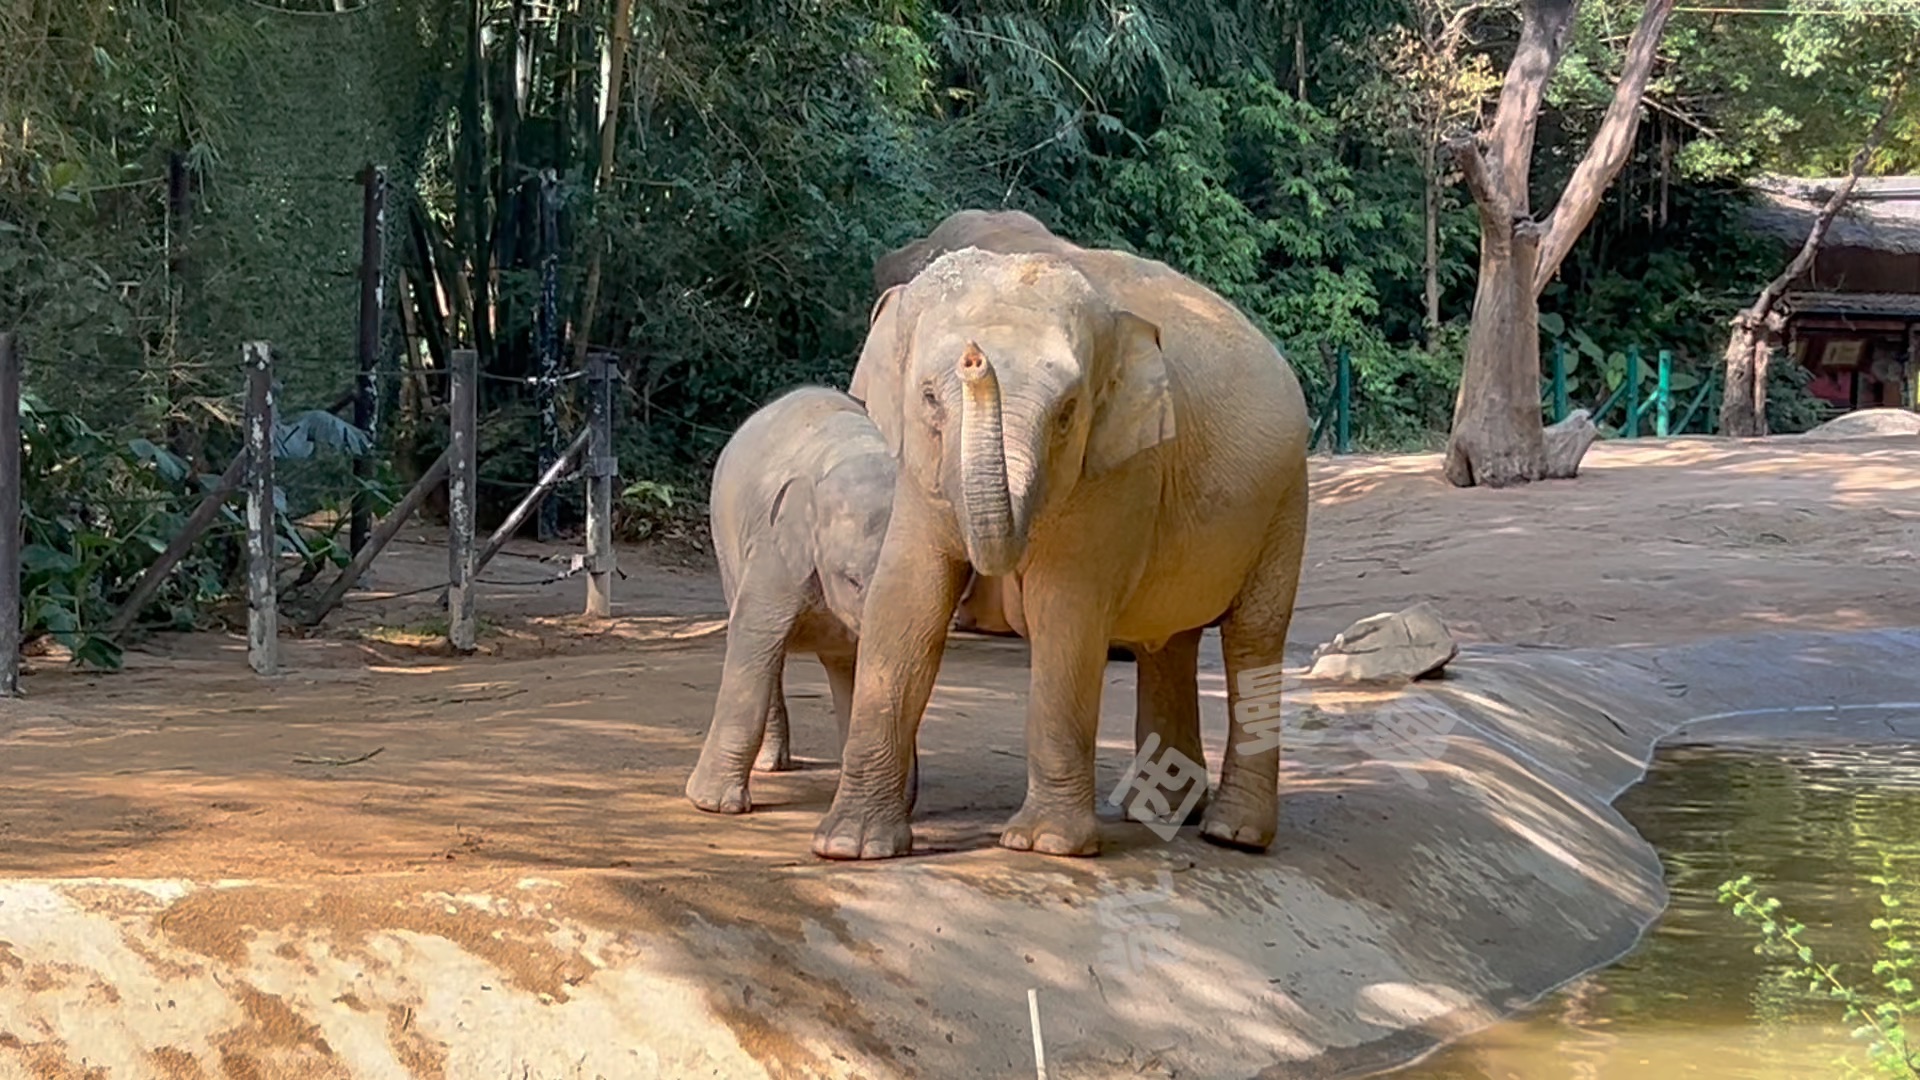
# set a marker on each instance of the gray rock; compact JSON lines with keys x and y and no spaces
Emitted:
{"x":1868,"y":423}
{"x":1391,"y":646}
{"x":1567,"y":443}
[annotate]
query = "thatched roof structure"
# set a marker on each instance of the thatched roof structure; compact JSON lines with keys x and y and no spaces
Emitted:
{"x":1883,"y":214}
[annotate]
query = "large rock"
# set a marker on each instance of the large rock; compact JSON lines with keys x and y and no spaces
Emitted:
{"x":1567,"y":443}
{"x":1868,"y":423}
{"x":1391,"y":646}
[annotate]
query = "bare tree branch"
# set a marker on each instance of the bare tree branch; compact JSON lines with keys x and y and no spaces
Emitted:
{"x":1473,"y":168}
{"x":1769,"y":296}
{"x":1544,"y":29}
{"x":1609,"y":149}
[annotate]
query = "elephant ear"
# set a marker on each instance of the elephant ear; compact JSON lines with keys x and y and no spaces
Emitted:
{"x":1135,"y":410}
{"x":878,"y":377}
{"x":791,"y":519}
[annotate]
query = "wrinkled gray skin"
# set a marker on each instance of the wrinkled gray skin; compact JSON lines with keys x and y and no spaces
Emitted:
{"x":1128,"y":451}
{"x":799,"y":507}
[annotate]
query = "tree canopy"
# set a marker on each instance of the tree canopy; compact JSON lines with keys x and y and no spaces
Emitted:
{"x":178,"y":178}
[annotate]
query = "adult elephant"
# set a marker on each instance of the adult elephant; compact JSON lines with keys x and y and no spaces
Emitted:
{"x":1127,"y":449}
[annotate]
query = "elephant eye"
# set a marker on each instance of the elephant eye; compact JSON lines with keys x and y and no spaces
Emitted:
{"x":927,"y":395}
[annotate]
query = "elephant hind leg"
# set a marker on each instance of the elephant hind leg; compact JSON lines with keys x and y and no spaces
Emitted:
{"x":758,"y":628}
{"x":1167,"y":709}
{"x":776,"y":749}
{"x":1246,"y":809}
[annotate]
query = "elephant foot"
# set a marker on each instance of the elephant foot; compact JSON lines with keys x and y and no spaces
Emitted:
{"x":1240,"y":822}
{"x":774,"y":757}
{"x":862,"y":833}
{"x":1052,"y":832}
{"x":717,"y":794}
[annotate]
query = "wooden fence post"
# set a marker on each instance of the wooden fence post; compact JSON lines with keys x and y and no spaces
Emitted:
{"x":601,"y":467}
{"x":9,"y":517}
{"x":263,"y":541}
{"x":373,"y":231}
{"x":463,"y":480}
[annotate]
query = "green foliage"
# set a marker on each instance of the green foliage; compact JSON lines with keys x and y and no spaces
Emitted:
{"x":768,"y":151}
{"x":1879,"y":1010}
{"x":96,"y":511}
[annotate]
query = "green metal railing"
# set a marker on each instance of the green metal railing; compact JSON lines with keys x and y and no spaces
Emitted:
{"x":1704,"y":403}
{"x":1334,"y":424}
{"x":1338,"y":408}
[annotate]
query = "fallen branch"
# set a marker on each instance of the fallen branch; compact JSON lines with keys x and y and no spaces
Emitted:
{"x":333,"y":762}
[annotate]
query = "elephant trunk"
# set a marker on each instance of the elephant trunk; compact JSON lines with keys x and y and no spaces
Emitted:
{"x":993,"y":542}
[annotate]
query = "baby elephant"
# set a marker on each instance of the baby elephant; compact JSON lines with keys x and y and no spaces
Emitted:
{"x":800,"y":501}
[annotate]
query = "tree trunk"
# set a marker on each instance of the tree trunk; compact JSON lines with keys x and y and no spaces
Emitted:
{"x":1497,"y":436}
{"x":1300,"y":57}
{"x":1757,"y":329}
{"x":621,"y":35}
{"x":1431,"y":165}
{"x":1497,"y":431}
{"x":1736,"y":396}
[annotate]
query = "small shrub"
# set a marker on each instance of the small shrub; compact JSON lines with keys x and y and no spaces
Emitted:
{"x":1878,"y":1013}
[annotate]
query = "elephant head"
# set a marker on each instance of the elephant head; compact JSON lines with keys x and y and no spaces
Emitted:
{"x":990,"y":230}
{"x":1000,"y":382}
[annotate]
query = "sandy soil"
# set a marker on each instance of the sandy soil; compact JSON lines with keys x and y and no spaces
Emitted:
{"x":563,"y":746}
{"x":566,"y":742}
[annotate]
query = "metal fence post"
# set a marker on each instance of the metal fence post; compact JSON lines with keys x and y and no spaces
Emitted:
{"x":601,"y":467}
{"x":1560,"y":406}
{"x":462,"y":484}
{"x":1631,"y":429}
{"x":1343,"y":391}
{"x":373,"y":231}
{"x":1663,"y":395}
{"x":10,"y":537}
{"x":548,"y":522}
{"x":263,"y":612}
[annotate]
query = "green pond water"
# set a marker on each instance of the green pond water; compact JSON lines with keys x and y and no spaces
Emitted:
{"x":1810,"y":823}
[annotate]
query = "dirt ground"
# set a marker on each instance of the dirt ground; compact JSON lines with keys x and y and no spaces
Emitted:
{"x":564,"y":744}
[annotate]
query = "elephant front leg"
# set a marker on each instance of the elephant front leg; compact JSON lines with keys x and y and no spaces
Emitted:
{"x":1167,"y":717}
{"x":909,"y":605}
{"x":1063,"y":720}
{"x":840,"y":675}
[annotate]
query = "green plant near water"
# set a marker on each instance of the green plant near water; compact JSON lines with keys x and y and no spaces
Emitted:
{"x":1880,"y":1013}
